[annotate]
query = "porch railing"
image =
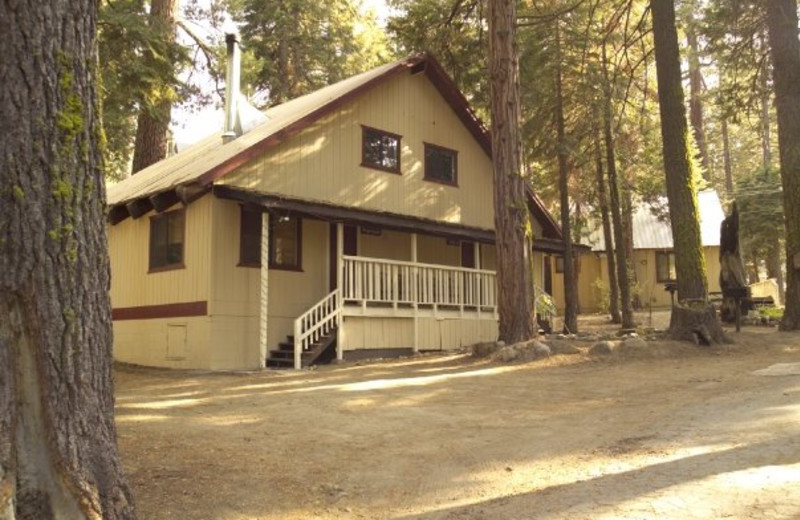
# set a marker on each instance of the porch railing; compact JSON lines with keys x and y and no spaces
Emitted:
{"x":315,"y":323}
{"x":374,"y":280}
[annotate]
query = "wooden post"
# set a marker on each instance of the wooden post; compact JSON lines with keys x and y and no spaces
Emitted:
{"x":415,"y":292}
{"x":340,"y":286}
{"x":264,"y":290}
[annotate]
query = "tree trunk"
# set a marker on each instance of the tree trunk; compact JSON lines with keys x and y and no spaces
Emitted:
{"x":616,"y":214}
{"x":58,"y":451}
{"x":613,"y":304}
{"x":153,"y":121}
{"x":726,"y":158}
{"x":695,"y":96}
{"x":785,"y":50}
{"x":732,"y":277}
{"x":511,"y":217}
{"x":570,"y":279}
{"x":774,"y":270}
{"x":681,"y":190}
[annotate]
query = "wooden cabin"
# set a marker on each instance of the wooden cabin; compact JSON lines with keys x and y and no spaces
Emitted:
{"x":354,"y":221}
{"x":653,"y":256}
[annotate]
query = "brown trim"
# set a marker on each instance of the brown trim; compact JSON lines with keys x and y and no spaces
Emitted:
{"x":168,"y":310}
{"x":117,"y":214}
{"x":163,"y":201}
{"x":425,"y":164}
{"x":351,"y":215}
{"x":166,"y":267}
{"x":398,"y":137}
{"x":139,"y":207}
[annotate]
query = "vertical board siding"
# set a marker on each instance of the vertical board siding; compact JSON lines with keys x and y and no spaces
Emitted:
{"x":322,"y":162}
{"x":133,"y":286}
{"x":434,"y":334}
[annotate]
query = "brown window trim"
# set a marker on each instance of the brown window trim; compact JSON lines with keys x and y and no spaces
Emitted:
{"x":455,"y":165}
{"x":667,"y":255}
{"x":365,"y":164}
{"x":168,"y":267}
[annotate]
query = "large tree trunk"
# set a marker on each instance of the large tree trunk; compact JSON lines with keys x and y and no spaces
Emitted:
{"x":613,"y":304}
{"x":785,"y":49}
{"x":681,"y":190}
{"x":726,"y":158}
{"x":515,"y":288}
{"x":153,"y":121}
{"x":570,"y":278}
{"x":58,"y":451}
{"x":695,"y":97}
{"x":616,"y":214}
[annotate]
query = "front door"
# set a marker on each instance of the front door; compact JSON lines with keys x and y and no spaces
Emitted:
{"x":468,"y":255}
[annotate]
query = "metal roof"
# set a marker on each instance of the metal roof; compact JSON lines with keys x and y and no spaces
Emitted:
{"x":651,"y":232}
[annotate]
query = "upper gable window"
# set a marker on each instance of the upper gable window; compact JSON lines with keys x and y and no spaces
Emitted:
{"x":380,"y":150}
{"x":166,"y":240}
{"x":441,"y":164}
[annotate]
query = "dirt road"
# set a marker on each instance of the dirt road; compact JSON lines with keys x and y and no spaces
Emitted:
{"x":684,"y":434}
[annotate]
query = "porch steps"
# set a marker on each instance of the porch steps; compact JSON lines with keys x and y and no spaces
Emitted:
{"x":283,"y":356}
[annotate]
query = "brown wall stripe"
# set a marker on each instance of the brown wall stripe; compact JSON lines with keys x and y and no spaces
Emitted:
{"x":169,"y":310}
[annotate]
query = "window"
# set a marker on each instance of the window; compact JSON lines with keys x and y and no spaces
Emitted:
{"x":665,"y":266}
{"x":380,"y":150}
{"x":250,"y":238}
{"x":166,"y":241}
{"x":441,"y":164}
{"x":560,"y":264}
{"x":285,"y":238}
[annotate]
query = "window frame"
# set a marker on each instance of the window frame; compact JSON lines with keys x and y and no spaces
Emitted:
{"x":242,"y":210}
{"x":668,"y":254}
{"x":165,"y":217}
{"x":383,"y":133}
{"x":297,"y":267}
{"x":449,"y":151}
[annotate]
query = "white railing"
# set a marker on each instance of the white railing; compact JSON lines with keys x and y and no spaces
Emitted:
{"x":374,"y":280}
{"x":315,"y":323}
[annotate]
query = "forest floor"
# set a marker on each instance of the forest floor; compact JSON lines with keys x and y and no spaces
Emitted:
{"x":683,"y":432}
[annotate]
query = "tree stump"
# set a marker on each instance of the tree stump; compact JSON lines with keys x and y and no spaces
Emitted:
{"x":732,"y":279}
{"x":696,"y":322}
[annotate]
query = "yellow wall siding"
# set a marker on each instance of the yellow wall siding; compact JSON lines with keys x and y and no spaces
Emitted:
{"x":436,"y":250}
{"x":236,"y":290}
{"x":133,"y":286}
{"x":433,"y":334}
{"x":391,"y":245}
{"x":322,"y":163}
{"x":145,"y":342}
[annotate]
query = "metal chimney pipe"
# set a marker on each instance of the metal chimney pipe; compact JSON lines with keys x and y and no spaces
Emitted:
{"x":232,"y":79}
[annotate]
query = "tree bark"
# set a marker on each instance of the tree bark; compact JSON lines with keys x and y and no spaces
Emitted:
{"x":58,"y":451}
{"x":620,"y":239}
{"x":695,"y":96}
{"x":726,"y":158}
{"x":570,"y":278}
{"x":613,"y":304}
{"x":152,"y":124}
{"x":785,"y":51}
{"x":681,"y":190}
{"x":512,"y":220}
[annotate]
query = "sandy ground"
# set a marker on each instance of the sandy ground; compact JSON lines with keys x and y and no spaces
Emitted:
{"x":683,"y":433}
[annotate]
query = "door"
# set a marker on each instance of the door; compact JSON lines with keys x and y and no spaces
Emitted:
{"x":468,"y":255}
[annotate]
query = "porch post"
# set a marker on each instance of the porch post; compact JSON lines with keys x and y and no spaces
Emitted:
{"x":340,"y":286}
{"x":415,"y":292}
{"x":264,"y":290}
{"x":477,"y":247}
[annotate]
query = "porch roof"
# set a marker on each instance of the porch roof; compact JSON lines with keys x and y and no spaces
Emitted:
{"x":384,"y":220}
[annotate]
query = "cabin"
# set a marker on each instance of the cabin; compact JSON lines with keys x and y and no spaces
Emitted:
{"x":356,"y":221}
{"x":653,"y":256}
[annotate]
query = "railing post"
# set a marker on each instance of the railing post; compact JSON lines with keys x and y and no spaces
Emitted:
{"x":263,"y":307}
{"x":415,"y":292}
{"x":298,"y":344}
{"x":339,"y":323}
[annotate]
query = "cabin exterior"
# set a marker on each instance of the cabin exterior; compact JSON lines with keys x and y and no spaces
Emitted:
{"x":653,"y":256}
{"x":355,"y":221}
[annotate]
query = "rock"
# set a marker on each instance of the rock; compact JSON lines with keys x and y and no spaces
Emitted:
{"x":484,"y":349}
{"x":634,"y":343}
{"x":541,"y":350}
{"x":507,"y":354}
{"x":500,"y":344}
{"x":602,"y":348}
{"x":588,"y":337}
{"x":563,"y":347}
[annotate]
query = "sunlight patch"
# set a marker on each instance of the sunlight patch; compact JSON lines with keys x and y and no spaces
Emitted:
{"x":780,"y":369}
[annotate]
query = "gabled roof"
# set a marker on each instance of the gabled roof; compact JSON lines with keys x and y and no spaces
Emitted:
{"x":190,"y":173}
{"x":650,"y":232}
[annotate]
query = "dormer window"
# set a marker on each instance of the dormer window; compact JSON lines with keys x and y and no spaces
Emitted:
{"x":441,"y":165}
{"x":380,"y":150}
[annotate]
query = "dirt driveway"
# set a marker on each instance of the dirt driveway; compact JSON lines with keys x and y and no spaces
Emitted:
{"x":687,"y":433}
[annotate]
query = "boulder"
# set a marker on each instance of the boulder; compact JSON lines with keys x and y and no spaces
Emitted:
{"x":602,"y":348}
{"x":484,"y":349}
{"x":634,"y":343}
{"x":507,"y":354}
